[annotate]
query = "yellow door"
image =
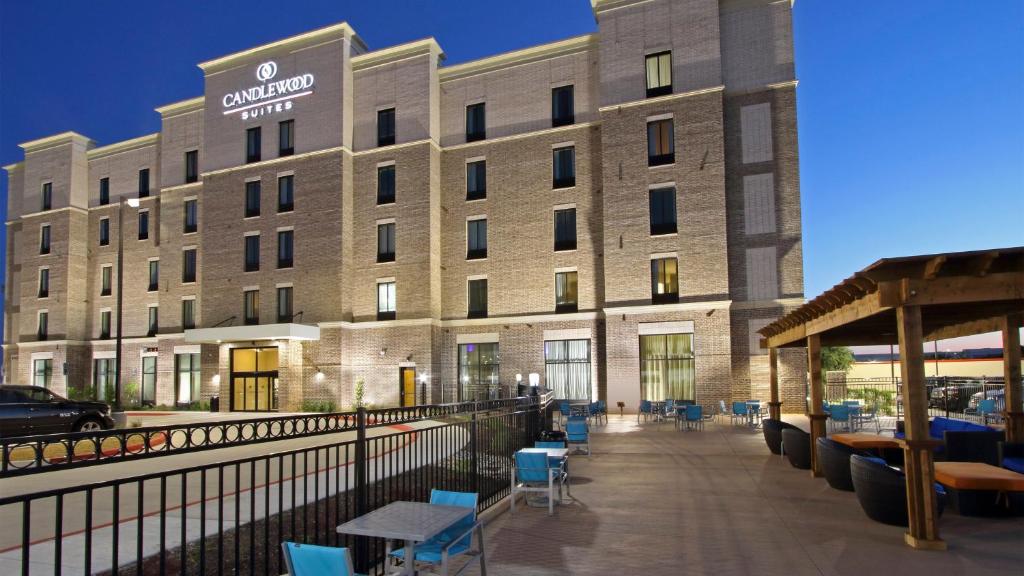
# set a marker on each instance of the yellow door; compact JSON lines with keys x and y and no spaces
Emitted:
{"x":408,"y":387}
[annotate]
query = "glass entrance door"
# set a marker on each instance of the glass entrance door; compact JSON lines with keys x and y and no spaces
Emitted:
{"x":254,"y":379}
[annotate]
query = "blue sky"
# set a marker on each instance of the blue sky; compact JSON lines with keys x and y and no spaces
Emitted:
{"x":911,"y":129}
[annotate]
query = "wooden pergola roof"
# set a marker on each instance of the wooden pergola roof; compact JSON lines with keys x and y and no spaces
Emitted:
{"x":960,"y":293}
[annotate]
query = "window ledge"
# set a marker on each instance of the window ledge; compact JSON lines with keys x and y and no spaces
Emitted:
{"x":190,"y":233}
{"x":661,"y":166}
{"x":665,"y":235}
{"x":192,"y":283}
{"x":250,"y":217}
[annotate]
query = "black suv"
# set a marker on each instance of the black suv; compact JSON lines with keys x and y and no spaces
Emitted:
{"x":32,"y":410}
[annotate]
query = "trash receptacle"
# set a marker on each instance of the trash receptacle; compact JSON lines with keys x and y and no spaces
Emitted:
{"x":552,"y":436}
{"x":214,"y":403}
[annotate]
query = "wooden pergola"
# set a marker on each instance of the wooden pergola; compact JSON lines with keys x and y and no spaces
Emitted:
{"x":909,"y":301}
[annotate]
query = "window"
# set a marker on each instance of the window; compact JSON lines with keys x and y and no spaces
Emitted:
{"x":191,"y":166}
{"x":43,"y":325}
{"x":566,"y":292}
{"x":188,"y":314}
{"x":284,"y":304}
{"x":666,"y":367}
{"x":659,"y":74}
{"x":154,"y":276}
{"x":477,"y":298}
{"x":663,"y":211}
{"x":252,"y":199}
{"x":252,"y":253}
{"x":105,"y":324}
{"x":563,"y":167}
{"x":144,"y":183}
{"x":476,"y":180}
{"x":188,"y":267}
{"x":386,"y":184}
{"x":154,"y":321}
{"x":102,"y":380}
{"x":148,"y":392}
{"x":143,"y":224}
{"x":386,"y":242}
{"x":42,"y":372}
{"x":253,"y":144}
{"x":664,"y":280}
{"x":476,"y":239}
{"x":44,"y":283}
{"x":386,"y":300}
{"x":252,"y":306}
{"x":44,"y":239}
{"x":660,"y":144}
{"x":476,"y":127}
{"x":187,"y":383}
{"x":47,"y":196}
{"x":191,"y":223}
{"x":285,"y":249}
{"x":562,"y":113}
{"x":104,"y":191}
{"x":565,"y":229}
{"x":105,"y":274}
{"x":286,"y":138}
{"x":567,"y":368}
{"x":386,"y":127}
{"x":104,"y":231}
{"x":478,"y":371}
{"x":285,"y":193}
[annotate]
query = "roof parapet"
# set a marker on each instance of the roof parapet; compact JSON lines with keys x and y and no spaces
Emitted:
{"x":123,"y":146}
{"x":55,"y":140}
{"x":181,"y":107}
{"x":395,"y":53}
{"x":340,"y":30}
{"x":519,"y":57}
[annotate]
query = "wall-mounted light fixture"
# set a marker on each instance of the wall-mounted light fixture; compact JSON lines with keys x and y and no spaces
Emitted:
{"x":383,"y":351}
{"x":319,"y":376}
{"x":216,"y":379}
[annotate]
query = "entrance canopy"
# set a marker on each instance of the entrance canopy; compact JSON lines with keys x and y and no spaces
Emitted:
{"x":253,"y":333}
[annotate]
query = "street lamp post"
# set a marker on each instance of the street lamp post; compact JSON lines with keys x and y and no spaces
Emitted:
{"x":119,"y":417}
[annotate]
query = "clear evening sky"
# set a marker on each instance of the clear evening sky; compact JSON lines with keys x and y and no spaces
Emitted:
{"x":910,"y":113}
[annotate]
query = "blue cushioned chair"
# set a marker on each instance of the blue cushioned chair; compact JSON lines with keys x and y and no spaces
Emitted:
{"x":739,"y":412}
{"x":533,"y":472}
{"x":839,"y":416}
{"x":646,"y":410}
{"x":694,"y":416}
{"x":577,"y":432}
{"x":563,"y":412}
{"x":987,"y":409}
{"x":596,"y":413}
{"x":312,"y":560}
{"x":456,"y":540}
{"x":1011,"y":456}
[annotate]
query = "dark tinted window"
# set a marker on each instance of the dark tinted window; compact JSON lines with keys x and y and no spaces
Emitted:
{"x":285,"y":193}
{"x":144,"y":225}
{"x":252,"y":199}
{"x":44,"y":282}
{"x":143,"y":182}
{"x":476,"y":180}
{"x":476,"y":127}
{"x":44,"y":239}
{"x":385,"y":184}
{"x":191,"y":216}
{"x":477,"y":294}
{"x":47,"y":196}
{"x":285,"y":249}
{"x":104,"y":191}
{"x":663,"y":211}
{"x":386,"y":242}
{"x":476,"y":239}
{"x":565,"y":229}
{"x":104,"y":232}
{"x":386,"y":127}
{"x":252,"y":253}
{"x":191,"y":166}
{"x":286,"y":138}
{"x":252,"y":306}
{"x":154,"y":276}
{"x":562,"y":113}
{"x":188,"y":268}
{"x":252,"y":144}
{"x":564,"y":167}
{"x":284,"y":304}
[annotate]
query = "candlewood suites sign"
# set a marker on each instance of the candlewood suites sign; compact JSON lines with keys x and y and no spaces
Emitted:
{"x":269,"y":97}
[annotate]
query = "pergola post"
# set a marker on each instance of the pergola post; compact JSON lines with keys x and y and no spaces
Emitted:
{"x":816,"y":412}
{"x":1012,"y":379}
{"x":923,"y":529}
{"x":774,"y":406}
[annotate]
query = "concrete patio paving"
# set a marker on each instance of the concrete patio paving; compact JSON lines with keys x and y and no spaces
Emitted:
{"x":654,"y":500}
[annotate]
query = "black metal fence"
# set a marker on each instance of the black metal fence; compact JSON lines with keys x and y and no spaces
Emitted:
{"x":230,"y":517}
{"x":951,"y":397}
{"x":31,"y":454}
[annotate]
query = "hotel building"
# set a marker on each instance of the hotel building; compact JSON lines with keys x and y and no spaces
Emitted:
{"x":617,"y":213}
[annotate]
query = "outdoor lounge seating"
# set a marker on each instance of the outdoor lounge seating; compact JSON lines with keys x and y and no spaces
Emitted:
{"x":694,"y":414}
{"x":1011,"y":456}
{"x":974,"y":446}
{"x":772,"y":430}
{"x":577,"y":432}
{"x":533,"y":473}
{"x":882,"y":490}
{"x":312,"y":560}
{"x":835,"y":463}
{"x":938,"y":427}
{"x":739,"y":412}
{"x":796,"y":445}
{"x":456,"y":540}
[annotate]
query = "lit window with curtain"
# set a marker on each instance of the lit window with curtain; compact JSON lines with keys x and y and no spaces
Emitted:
{"x":667,"y":367}
{"x":478,"y":371}
{"x":251,"y":307}
{"x":659,"y":74}
{"x":567,"y":369}
{"x":188,"y":378}
{"x":566,"y":292}
{"x":660,"y":143}
{"x":148,"y":392}
{"x":664,"y":280}
{"x":386,"y":300}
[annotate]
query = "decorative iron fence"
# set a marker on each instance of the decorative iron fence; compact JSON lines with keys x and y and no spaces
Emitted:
{"x":230,"y":517}
{"x":950,"y":397}
{"x":31,"y":454}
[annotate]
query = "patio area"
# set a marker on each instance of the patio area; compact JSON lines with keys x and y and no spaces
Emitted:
{"x":656,"y":500}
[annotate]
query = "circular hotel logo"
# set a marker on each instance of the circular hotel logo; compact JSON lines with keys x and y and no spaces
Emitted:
{"x":266,"y":71}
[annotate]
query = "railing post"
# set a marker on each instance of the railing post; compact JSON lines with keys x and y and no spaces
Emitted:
{"x":945,"y":383}
{"x":362,"y":502}
{"x":474,"y":447}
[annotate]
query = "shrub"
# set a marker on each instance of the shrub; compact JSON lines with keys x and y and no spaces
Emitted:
{"x":319,"y":406}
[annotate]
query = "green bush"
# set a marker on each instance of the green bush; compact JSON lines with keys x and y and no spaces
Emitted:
{"x":319,"y":406}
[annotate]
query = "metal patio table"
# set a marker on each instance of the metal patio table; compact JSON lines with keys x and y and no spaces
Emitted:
{"x":411,"y":522}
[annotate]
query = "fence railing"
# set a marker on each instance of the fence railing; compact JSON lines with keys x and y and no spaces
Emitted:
{"x":951,"y":397}
{"x":230,"y":517}
{"x":31,"y":454}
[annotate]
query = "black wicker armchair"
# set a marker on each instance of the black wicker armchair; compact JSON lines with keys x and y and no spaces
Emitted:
{"x":796,"y":444}
{"x":882,"y":490}
{"x":835,"y":463}
{"x":772,"y":430}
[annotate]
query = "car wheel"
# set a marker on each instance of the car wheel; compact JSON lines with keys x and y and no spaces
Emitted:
{"x":89,"y":425}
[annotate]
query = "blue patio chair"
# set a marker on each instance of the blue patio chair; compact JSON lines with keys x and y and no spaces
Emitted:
{"x":312,"y":560}
{"x":694,"y":416}
{"x":456,"y":540}
{"x":670,"y":408}
{"x":840,"y":416}
{"x":564,"y":409}
{"x":577,"y":432}
{"x":739,"y":412}
{"x":986,"y":408}
{"x":646,"y":410}
{"x":723,"y":411}
{"x":533,"y":473}
{"x":596,"y":413}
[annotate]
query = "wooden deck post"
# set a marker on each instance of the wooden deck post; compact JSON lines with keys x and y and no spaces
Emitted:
{"x":1014,"y":399}
{"x":923,"y":529}
{"x":816,"y":412}
{"x":774,"y":406}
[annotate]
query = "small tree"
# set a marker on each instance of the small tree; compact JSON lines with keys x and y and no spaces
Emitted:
{"x":836,"y":359}
{"x":360,"y":389}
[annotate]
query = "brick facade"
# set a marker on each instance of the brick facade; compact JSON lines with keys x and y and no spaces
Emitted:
{"x":718,"y":81}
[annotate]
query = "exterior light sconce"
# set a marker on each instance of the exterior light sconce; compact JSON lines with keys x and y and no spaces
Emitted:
{"x":383,"y":351}
{"x":216,"y":379}
{"x":319,"y":376}
{"x":519,"y":378}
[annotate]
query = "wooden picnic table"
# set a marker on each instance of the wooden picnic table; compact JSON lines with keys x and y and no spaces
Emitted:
{"x":978,"y":476}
